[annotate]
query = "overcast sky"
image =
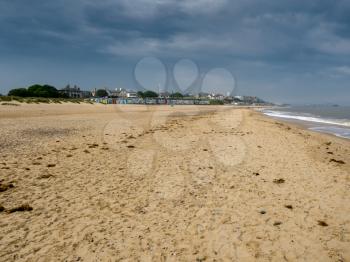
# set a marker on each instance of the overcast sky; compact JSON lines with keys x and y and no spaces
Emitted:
{"x":292,"y":51}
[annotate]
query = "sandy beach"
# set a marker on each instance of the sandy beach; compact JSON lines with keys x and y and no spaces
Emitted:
{"x":83,"y":182}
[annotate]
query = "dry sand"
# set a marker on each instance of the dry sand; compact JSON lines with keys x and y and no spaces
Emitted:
{"x":161,"y":183}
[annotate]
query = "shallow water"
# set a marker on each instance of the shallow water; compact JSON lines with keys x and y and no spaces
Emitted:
{"x":326,"y":119}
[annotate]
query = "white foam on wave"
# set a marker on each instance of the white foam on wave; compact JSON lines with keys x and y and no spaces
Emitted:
{"x":308,"y":118}
{"x":338,"y":131}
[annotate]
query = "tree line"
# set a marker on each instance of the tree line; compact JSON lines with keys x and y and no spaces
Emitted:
{"x":151,"y":94}
{"x":37,"y":91}
{"x":48,"y":91}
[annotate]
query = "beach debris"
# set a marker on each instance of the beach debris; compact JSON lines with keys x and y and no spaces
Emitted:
{"x":5,"y":187}
{"x":256,"y":174}
{"x":279,"y":181}
{"x":322,"y":223}
{"x":328,"y":143}
{"x":288,"y":206}
{"x":263,"y":212}
{"x":51,"y":165}
{"x":9,"y":104}
{"x":21,"y":208}
{"x":277,"y":223}
{"x":2,"y":208}
{"x":131,"y":146}
{"x":44,"y":176}
{"x":337,"y":161}
{"x":205,"y":149}
{"x":330,"y":153}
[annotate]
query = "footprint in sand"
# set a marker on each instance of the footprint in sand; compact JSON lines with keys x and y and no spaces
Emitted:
{"x":228,"y":150}
{"x":174,"y":137}
{"x":177,"y":79}
{"x":140,"y":162}
{"x":202,"y":169}
{"x":169,"y":181}
{"x":118,"y":133}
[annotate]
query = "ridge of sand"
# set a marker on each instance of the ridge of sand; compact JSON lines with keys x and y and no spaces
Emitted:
{"x":164,"y":183}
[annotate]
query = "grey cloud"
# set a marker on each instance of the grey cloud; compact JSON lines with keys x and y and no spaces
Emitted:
{"x":282,"y":39}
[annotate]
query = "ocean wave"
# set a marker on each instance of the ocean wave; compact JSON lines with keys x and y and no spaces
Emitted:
{"x":338,"y":131}
{"x":308,"y":118}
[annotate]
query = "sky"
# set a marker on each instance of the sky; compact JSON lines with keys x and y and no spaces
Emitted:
{"x":284,"y":51}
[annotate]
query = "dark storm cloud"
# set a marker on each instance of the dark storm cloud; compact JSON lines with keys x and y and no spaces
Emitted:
{"x":282,"y":28}
{"x":283,"y":39}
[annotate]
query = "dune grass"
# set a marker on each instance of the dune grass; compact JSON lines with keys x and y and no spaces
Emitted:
{"x":43,"y":100}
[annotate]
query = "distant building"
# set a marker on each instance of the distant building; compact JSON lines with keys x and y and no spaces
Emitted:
{"x":74,"y":92}
{"x":112,"y":93}
{"x":164,"y":94}
{"x":123,"y":93}
{"x":131,"y":94}
{"x":202,"y":95}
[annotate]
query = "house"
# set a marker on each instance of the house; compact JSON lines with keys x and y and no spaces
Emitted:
{"x":123,"y":93}
{"x":215,"y":97}
{"x":74,"y":92}
{"x":131,"y":94}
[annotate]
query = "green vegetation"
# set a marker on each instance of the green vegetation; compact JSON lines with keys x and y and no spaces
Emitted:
{"x":43,"y":91}
{"x":176,"y":95}
{"x":101,"y":93}
{"x":147,"y":94}
{"x":22,"y":92}
{"x":46,"y":91}
{"x":37,"y":100}
{"x":6,"y":98}
{"x":9,"y":104}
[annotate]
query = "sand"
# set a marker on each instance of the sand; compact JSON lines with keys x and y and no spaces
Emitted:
{"x":160,"y":183}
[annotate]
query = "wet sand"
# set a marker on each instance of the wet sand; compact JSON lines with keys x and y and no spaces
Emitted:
{"x":160,"y":183}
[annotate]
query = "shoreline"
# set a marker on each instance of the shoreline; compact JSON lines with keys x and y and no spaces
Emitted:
{"x":308,"y":125}
{"x":182,"y":183}
{"x":304,"y":126}
{"x":338,"y":127}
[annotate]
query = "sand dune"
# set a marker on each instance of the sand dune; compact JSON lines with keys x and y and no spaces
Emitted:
{"x":160,"y":183}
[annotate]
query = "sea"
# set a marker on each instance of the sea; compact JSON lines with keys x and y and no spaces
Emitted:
{"x":331,"y":119}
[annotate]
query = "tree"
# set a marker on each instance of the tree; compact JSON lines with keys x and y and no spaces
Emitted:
{"x":150,"y":94}
{"x":101,"y":93}
{"x":21,"y":92}
{"x":43,"y":91}
{"x":140,"y":94}
{"x":176,"y":95}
